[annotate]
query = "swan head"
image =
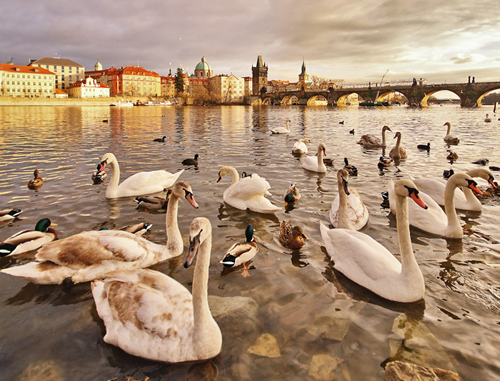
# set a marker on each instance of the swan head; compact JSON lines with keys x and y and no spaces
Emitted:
{"x":386,"y":128}
{"x":322,"y":147}
{"x":407,"y":188}
{"x":107,"y":159}
{"x":183,"y":189}
{"x":199,"y":230}
{"x":398,"y":134}
{"x":464,"y":180}
{"x":342,"y":179}
{"x":484,"y":174}
{"x":225,"y":170}
{"x":447,"y":124}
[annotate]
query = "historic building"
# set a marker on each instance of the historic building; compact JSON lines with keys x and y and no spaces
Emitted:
{"x":129,"y":80}
{"x":304,"y":81}
{"x":203,"y":70}
{"x":230,"y":88}
{"x":26,"y":81}
{"x":67,"y":72}
{"x":259,"y":77}
{"x":88,"y":88}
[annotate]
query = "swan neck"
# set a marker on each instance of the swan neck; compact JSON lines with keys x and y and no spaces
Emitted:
{"x":203,"y":319}
{"x":449,"y":207}
{"x":235,"y":177}
{"x":449,"y":129}
{"x":320,"y":157}
{"x":343,"y":218}
{"x":115,"y":178}
{"x":408,"y":261}
{"x":174,"y":238}
{"x":383,"y":137}
{"x":398,"y":142}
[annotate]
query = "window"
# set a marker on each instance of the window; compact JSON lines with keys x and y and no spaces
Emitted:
{"x":55,"y":67}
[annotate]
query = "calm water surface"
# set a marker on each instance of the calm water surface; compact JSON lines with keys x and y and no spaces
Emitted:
{"x":313,"y":312}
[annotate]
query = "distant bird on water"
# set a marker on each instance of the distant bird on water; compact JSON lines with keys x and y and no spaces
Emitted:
{"x":37,"y":182}
{"x":191,"y":161}
{"x":161,"y":140}
{"x":425,"y":147}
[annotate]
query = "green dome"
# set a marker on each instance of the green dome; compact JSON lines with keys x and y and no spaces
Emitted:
{"x":203,"y":65}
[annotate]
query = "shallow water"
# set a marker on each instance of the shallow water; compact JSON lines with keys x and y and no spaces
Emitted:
{"x":309,"y":309}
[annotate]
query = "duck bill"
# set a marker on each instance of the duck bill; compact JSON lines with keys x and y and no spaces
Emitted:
{"x":194,"y":246}
{"x":415,"y":197}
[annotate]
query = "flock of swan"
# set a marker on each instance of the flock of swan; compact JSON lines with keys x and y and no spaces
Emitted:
{"x":149,"y":314}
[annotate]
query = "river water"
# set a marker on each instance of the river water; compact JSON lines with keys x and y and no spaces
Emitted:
{"x":325,"y":326}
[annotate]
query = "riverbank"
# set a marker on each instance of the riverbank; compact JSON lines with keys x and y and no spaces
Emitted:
{"x":11,"y":101}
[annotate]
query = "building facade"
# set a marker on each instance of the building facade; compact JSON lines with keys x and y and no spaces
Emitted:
{"x":88,"y":88}
{"x":259,"y":77}
{"x":203,"y":70}
{"x":230,"y":88}
{"x":129,"y":81}
{"x":67,"y":72}
{"x":26,"y":81}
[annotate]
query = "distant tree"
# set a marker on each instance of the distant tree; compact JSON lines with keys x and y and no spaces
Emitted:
{"x":320,"y":83}
{"x":179,"y":81}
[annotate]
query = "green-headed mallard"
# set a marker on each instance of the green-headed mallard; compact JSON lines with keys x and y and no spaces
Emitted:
{"x":241,"y":252}
{"x":28,"y":240}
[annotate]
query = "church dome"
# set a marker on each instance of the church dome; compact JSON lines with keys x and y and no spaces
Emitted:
{"x":203,"y":65}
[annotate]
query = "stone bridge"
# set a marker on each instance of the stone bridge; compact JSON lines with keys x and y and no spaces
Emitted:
{"x":470,"y":94}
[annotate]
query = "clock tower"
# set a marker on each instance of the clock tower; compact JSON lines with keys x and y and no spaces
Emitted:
{"x":259,"y":77}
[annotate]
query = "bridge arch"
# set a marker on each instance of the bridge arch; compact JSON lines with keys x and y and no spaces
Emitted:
{"x":430,"y":94}
{"x":313,"y":101}
{"x":342,"y":100}
{"x":480,"y":99}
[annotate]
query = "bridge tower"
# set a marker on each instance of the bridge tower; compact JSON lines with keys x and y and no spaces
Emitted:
{"x":259,"y":77}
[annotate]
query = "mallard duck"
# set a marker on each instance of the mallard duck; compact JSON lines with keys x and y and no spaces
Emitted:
{"x":328,"y":162}
{"x":247,"y":193}
{"x":315,"y":163}
{"x":481,"y":162}
{"x":299,"y":147}
{"x":139,"y":183}
{"x":384,"y":162}
{"x":292,"y":194}
{"x":450,"y":139}
{"x":433,"y":220}
{"x":452,"y":156}
{"x":366,"y":262}
{"x":487,"y":119}
{"x":98,"y":176}
{"x":282,"y":130}
{"x":241,"y":252}
{"x":398,"y":152}
{"x":153,"y":202}
{"x":191,"y":161}
{"x":447,"y":173}
{"x":9,"y":214}
{"x":348,"y":210}
{"x":351,"y":169}
{"x":93,"y":254}
{"x":37,"y":182}
{"x":151,"y":315}
{"x":424,"y":147}
{"x":352,"y":132}
{"x":28,"y":240}
{"x":161,"y":140}
{"x":291,"y":237}
{"x":372,"y":141}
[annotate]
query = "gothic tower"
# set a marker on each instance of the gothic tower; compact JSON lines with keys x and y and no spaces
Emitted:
{"x":259,"y":77}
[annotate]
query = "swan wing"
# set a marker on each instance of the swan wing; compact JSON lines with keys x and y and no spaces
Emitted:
{"x":147,"y":182}
{"x":147,"y":314}
{"x":247,"y":187}
{"x":356,"y":210}
{"x":311,"y":164}
{"x":370,"y":140}
{"x":242,"y":252}
{"x":362,"y":259}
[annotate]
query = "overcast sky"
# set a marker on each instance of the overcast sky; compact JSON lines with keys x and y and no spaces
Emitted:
{"x":357,"y":40}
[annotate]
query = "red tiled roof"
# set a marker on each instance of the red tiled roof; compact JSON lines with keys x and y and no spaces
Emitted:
{"x":24,"y":69}
{"x":60,"y":92}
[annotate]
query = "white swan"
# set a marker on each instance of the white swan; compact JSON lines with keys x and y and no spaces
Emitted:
{"x":349,"y":205}
{"x":433,"y":220}
{"x":315,"y":163}
{"x":450,"y":139}
{"x":366,"y":262}
{"x":92,"y":254}
{"x":398,"y":152}
{"x":464,"y":198}
{"x":248,"y":192}
{"x":138,"y":184}
{"x":372,"y":141}
{"x":148,"y":314}
{"x":282,"y":130}
{"x":300,"y":147}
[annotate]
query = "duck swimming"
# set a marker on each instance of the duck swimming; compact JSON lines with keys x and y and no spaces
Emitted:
{"x":291,"y":237}
{"x":193,"y":161}
{"x":36,"y":182}
{"x":28,"y":240}
{"x":9,"y":214}
{"x":241,"y":252}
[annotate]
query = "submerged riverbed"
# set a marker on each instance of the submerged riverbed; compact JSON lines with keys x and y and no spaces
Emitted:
{"x":319,"y":323}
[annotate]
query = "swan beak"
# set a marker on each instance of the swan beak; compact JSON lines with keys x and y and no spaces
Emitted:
{"x":491,"y":180}
{"x":415,"y":197}
{"x":194,"y":246}
{"x":346,"y":188}
{"x":324,"y":152}
{"x":100,"y":167}
{"x":219,"y":178}
{"x":473,"y":185}
{"x":189,"y":196}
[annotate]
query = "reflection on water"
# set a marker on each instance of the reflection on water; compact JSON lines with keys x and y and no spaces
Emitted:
{"x":323,"y":324}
